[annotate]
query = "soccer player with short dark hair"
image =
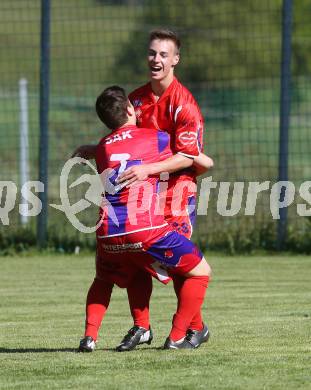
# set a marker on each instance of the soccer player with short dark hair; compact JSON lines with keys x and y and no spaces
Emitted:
{"x":131,"y":237}
{"x":165,"y":104}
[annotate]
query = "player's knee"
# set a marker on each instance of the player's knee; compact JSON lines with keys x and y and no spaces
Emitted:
{"x":206,"y":269}
{"x":202,"y":269}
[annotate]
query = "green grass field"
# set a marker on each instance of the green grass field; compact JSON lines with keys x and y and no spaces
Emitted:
{"x":257,"y":308}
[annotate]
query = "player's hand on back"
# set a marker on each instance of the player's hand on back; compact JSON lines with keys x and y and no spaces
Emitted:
{"x":134,"y":174}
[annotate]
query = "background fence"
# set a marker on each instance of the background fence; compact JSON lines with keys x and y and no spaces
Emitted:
{"x":230,"y":60}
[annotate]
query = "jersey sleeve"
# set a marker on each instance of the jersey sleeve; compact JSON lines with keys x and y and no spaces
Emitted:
{"x":188,"y":130}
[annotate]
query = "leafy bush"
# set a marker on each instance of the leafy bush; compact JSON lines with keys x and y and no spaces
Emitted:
{"x":234,"y":240}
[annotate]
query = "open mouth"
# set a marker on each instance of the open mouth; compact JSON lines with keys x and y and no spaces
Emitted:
{"x":155,"y":68}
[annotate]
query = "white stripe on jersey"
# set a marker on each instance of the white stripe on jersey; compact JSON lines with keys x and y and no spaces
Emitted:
{"x":187,"y":155}
{"x":133,"y":231}
{"x":178,"y":109}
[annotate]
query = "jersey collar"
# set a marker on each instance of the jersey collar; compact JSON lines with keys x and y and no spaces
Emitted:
{"x":127,"y":127}
{"x":166,"y":92}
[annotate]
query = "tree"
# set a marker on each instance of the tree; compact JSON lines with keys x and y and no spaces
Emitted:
{"x":221,"y":40}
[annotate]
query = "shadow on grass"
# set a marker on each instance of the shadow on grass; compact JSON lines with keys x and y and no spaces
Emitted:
{"x":36,"y":350}
{"x":146,"y":349}
{"x":72,"y":350}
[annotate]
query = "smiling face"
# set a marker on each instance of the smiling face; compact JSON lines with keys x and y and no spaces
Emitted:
{"x":162,"y":58}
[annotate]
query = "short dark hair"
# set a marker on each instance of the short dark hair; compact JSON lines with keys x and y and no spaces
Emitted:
{"x":165,"y":34}
{"x":111,"y":107}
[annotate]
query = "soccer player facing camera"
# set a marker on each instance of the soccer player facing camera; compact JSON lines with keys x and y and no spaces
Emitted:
{"x":130,"y":239}
{"x":165,"y":104}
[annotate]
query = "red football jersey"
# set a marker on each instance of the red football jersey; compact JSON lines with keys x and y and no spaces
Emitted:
{"x":126,"y":210}
{"x":176,"y":112}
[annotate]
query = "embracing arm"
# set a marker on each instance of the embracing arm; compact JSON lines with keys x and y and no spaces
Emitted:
{"x":85,"y":151}
{"x":171,"y":164}
{"x":141,"y":172}
{"x":202,"y":163}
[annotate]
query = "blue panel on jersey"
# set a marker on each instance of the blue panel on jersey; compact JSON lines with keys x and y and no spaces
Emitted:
{"x":163,"y":140}
{"x":199,"y":137}
{"x":130,"y":163}
{"x":191,"y":209}
{"x":118,"y":212}
{"x":119,"y":215}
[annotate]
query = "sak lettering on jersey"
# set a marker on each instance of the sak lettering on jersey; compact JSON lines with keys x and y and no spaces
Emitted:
{"x":119,"y":137}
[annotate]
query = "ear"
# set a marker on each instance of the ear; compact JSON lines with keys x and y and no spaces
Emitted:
{"x":176,"y":59}
{"x":130,"y":110}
